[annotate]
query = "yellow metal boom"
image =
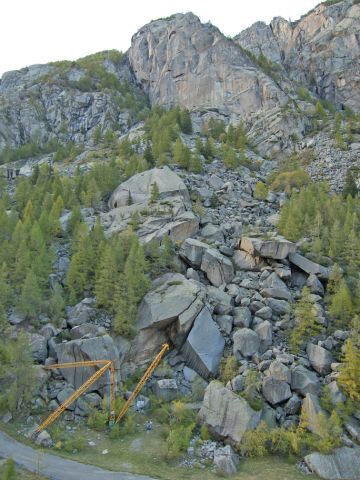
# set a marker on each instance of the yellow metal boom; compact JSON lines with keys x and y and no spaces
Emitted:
{"x":107,"y":364}
{"x":142,"y":382}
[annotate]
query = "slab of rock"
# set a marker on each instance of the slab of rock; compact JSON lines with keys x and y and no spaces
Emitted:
{"x":225,"y":323}
{"x":275,"y":391}
{"x":304,"y":381}
{"x":167,"y":312}
{"x":308,"y":266}
{"x":315,"y":285}
{"x":166,"y":389}
{"x":81,"y":313}
{"x":246,"y":343}
{"x":192,"y":251}
{"x":353,"y":428}
{"x":335,"y":393}
{"x":217,"y":267}
{"x":219,"y":300}
{"x":342,"y":464}
{"x":204,"y":345}
{"x":320,"y":358}
{"x":278,"y":307}
{"x":293,"y":405}
{"x":226,"y":461}
{"x":277,"y":248}
{"x":227,"y":415}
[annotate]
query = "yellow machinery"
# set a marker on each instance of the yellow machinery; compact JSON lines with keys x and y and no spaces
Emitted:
{"x":107,"y":366}
{"x":142,"y":382}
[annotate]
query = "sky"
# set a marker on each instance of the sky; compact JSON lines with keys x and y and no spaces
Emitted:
{"x":41,"y":31}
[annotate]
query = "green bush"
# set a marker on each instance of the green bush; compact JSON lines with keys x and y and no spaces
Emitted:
{"x":261,"y":191}
{"x":286,"y":181}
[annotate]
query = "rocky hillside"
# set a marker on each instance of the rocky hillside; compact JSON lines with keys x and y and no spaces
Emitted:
{"x":204,"y":192}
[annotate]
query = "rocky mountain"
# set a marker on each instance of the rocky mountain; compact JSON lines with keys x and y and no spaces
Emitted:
{"x":320,"y":51}
{"x":174,"y":193}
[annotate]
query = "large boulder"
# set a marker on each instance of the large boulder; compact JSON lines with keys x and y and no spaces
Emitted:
{"x":166,"y":313}
{"x":166,"y":389}
{"x":227,"y":415}
{"x":204,"y":345}
{"x":192,"y":251}
{"x":244,"y":261}
{"x":138,"y":188}
{"x":274,"y":287}
{"x":38,"y":345}
{"x":264,"y":332}
{"x":217,"y":267}
{"x":226,"y":461}
{"x":97,"y":348}
{"x":242,"y":317}
{"x":246,"y":342}
{"x":275,"y":391}
{"x":310,"y":410}
{"x":320,"y":358}
{"x":279,"y":371}
{"x":82,"y":312}
{"x":308,"y":266}
{"x":304,"y":381}
{"x":277,"y":248}
{"x":342,"y":464}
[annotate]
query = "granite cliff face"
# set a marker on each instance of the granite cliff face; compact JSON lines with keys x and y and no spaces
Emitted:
{"x":180,"y":61}
{"x":321,"y":50}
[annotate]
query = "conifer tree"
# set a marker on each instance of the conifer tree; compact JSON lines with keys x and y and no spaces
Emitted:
{"x":349,"y":378}
{"x":195,"y":163}
{"x":154,"y":192}
{"x":341,"y":307}
{"x":181,"y":154}
{"x":30,"y":301}
{"x":6,"y":294}
{"x":4,"y":324}
{"x":9,"y":470}
{"x":306,"y":325}
{"x":106,"y":277}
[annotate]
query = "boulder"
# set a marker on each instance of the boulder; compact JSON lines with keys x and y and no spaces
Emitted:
{"x":97,"y":348}
{"x":138,"y":188}
{"x":225,"y":323}
{"x":315,"y":285}
{"x":335,"y":393}
{"x":217,"y":267}
{"x":277,"y":248}
{"x":38,"y":345}
{"x":311,"y":409}
{"x":278,"y":307}
{"x":167,"y":312}
{"x":227,"y":415}
{"x":219,"y":300}
{"x":64,"y":394}
{"x":320,"y":358}
{"x":204,"y":345}
{"x":244,"y":261}
{"x":44,"y":439}
{"x":293,"y":405}
{"x":246,"y":343}
{"x":264,"y":331}
{"x":275,"y":391}
{"x":88,"y":329}
{"x":237,"y":384}
{"x":211,"y":233}
{"x":342,"y":464}
{"x":279,"y":371}
{"x":308,"y":266}
{"x":81,"y":313}
{"x":242,"y":317}
{"x":166,"y":389}
{"x":226,"y":461}
{"x":304,"y":381}
{"x":265,"y":313}
{"x":353,"y":428}
{"x":192,"y":251}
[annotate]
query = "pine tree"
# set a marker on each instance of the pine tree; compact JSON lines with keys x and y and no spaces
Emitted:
{"x":350,"y":187}
{"x":56,"y":304}
{"x":349,"y":378}
{"x":167,"y":253}
{"x":4,"y":324}
{"x":341,"y":307}
{"x":148,"y":155}
{"x":154,"y":192}
{"x":185,"y":122}
{"x":306,"y":325}
{"x":195,"y":163}
{"x":30,"y":301}
{"x":54,"y":215}
{"x":6,"y":294}
{"x":181,"y":154}
{"x":106,"y":277}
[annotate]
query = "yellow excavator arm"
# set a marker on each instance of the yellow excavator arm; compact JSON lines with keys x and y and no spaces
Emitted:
{"x":142,"y":382}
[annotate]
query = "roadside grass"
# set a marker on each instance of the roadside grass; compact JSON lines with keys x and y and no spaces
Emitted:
{"x":20,"y":473}
{"x":144,"y":453}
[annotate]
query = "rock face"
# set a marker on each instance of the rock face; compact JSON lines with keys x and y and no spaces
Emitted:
{"x":204,"y":346}
{"x":166,"y":313}
{"x":226,"y":461}
{"x":343,"y":464}
{"x":320,"y":51}
{"x":171,"y":212}
{"x":308,"y":266}
{"x":98,"y":348}
{"x":226,"y":414}
{"x":180,"y":61}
